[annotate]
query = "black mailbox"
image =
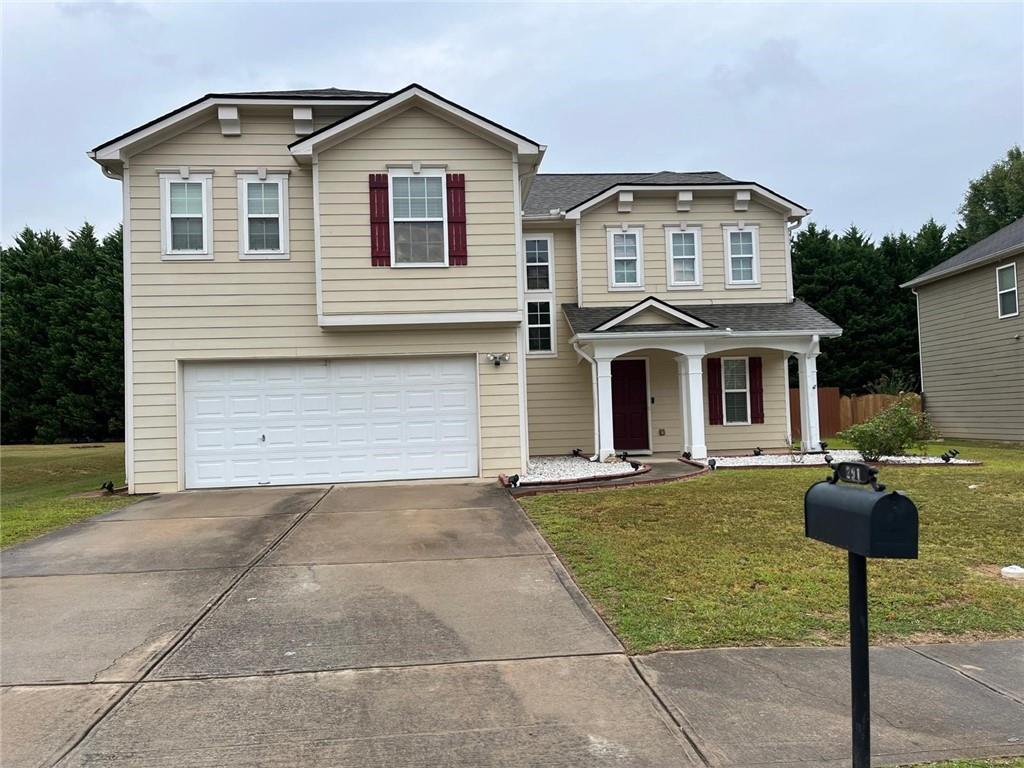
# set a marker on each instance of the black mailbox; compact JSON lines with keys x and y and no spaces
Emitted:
{"x":871,"y":523}
{"x":866,"y":523}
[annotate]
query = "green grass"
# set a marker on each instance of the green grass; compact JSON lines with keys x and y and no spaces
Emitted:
{"x":38,"y":483}
{"x":1013,"y":762}
{"x":721,"y":560}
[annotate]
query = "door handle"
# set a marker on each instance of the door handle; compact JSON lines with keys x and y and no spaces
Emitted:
{"x":263,"y":438}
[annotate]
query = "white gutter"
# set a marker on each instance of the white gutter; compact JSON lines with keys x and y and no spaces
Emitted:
{"x":593,"y":396}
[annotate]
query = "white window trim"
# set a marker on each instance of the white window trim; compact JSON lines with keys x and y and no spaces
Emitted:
{"x":166,"y":253}
{"x":244,"y":252}
{"x":698,"y":270}
{"x":550,"y":239}
{"x":639,"y":284}
{"x":550,"y":299}
{"x":725,"y":410}
{"x":1013,"y":290}
{"x":727,"y":249}
{"x":392,"y":173}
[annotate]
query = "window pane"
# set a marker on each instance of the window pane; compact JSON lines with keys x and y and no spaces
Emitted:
{"x":540,"y":339}
{"x":263,"y":198}
{"x":537,"y":277}
{"x":684,"y":244}
{"x":538,"y":313}
{"x":735,"y":374}
{"x":624,"y":244}
{"x":742,"y":268}
{"x":684,"y":270}
{"x":419,"y":242}
{"x":186,"y":198}
{"x":417,"y":197}
{"x":186,"y":234}
{"x":735,"y":407}
{"x":536,"y":251}
{"x":625,"y":271}
{"x":1006,"y":278}
{"x":264,"y":234}
{"x":1008,"y":303}
{"x":741,"y":243}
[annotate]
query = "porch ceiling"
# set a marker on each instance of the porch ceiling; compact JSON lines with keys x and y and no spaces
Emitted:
{"x":794,"y":317}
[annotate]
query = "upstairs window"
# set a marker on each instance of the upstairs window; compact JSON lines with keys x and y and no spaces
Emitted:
{"x":625,"y":258}
{"x":736,"y":390}
{"x":538,"y":263}
{"x":185,"y":203}
{"x":263,"y":212}
{"x":1006,"y":290}
{"x":418,"y":215}
{"x":683,"y":247}
{"x":741,"y":248}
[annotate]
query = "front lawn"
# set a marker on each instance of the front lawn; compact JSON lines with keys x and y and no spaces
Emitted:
{"x":38,"y":484}
{"x":721,"y":560}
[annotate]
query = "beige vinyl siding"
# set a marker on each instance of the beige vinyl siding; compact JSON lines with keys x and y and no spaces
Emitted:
{"x":352,"y":285}
{"x":559,"y":390}
{"x":973,"y":361}
{"x":743,"y":437}
{"x":653,"y":211}
{"x":233,"y":309}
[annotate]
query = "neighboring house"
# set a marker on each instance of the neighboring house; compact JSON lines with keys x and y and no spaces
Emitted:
{"x":339,"y":286}
{"x":970,"y":325}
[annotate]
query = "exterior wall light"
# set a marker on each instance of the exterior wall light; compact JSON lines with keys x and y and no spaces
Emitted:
{"x":498,"y":358}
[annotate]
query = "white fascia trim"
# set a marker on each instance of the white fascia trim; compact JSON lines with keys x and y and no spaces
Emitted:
{"x":414,"y":95}
{"x":724,"y":333}
{"x":794,"y":211}
{"x":393,"y":319}
{"x":1006,"y":253}
{"x":129,"y":394}
{"x":652,"y":304}
{"x":522,"y":336}
{"x":117,"y":149}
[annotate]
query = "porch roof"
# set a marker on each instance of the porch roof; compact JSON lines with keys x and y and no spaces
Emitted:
{"x":790,"y":317}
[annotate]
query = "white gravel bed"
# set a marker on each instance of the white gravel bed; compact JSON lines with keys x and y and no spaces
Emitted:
{"x":818,"y":459}
{"x":554,"y":469}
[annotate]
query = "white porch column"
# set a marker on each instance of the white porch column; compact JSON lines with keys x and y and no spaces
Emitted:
{"x":810,"y":429}
{"x":691,"y":391}
{"x":606,"y":435}
{"x":684,"y":404}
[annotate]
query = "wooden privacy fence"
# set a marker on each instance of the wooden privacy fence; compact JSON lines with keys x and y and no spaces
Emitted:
{"x":836,"y":413}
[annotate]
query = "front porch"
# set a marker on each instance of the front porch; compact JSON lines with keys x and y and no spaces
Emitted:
{"x":667,"y":380}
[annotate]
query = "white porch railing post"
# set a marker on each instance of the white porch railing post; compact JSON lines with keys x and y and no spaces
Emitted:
{"x":810,"y":429}
{"x":604,"y":407}
{"x":695,"y":407}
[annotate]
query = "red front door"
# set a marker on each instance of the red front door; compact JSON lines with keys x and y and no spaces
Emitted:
{"x":629,"y":405}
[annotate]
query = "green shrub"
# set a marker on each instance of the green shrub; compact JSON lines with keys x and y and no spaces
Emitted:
{"x":891,"y":431}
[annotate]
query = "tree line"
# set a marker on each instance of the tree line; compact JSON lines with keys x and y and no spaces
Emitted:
{"x":61,"y":306}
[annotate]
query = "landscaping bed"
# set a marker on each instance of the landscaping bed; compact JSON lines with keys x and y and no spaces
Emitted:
{"x":819,"y":459}
{"x":722,"y":559}
{"x":543,"y":470}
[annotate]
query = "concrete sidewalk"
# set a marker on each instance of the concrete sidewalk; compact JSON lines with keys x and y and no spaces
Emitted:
{"x":791,"y":706}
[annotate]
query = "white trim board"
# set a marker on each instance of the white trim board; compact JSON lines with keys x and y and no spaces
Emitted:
{"x":655,"y":304}
{"x":791,"y":209}
{"x":507,"y":317}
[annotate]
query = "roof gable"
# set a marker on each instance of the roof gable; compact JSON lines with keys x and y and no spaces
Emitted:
{"x":413,"y":95}
{"x":642,"y":313}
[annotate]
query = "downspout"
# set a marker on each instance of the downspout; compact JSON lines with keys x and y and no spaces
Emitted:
{"x":593,"y":397}
{"x":920,"y":351}
{"x":790,"y":229}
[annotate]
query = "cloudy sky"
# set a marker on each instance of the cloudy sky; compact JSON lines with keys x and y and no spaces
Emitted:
{"x":876,"y":114}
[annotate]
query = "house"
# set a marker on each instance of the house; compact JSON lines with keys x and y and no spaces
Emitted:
{"x":969,"y":325}
{"x":339,"y":286}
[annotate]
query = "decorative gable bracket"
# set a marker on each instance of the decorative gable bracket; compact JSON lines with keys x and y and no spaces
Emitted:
{"x":303,"y":119}
{"x":230,"y":123}
{"x":625,"y":201}
{"x":742,"y":200}
{"x":684,"y":200}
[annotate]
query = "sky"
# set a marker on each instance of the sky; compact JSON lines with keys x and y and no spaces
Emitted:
{"x":872,"y":114}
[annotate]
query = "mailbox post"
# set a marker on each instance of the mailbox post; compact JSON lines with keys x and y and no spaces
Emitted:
{"x":866,"y":522}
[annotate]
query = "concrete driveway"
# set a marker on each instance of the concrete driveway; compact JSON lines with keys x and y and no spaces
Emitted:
{"x":366,"y":626}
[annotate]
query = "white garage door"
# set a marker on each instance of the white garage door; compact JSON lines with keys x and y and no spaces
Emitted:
{"x":326,"y":421}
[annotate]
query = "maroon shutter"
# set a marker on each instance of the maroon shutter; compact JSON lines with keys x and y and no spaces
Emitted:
{"x":756,"y":391}
{"x":457,"y":252}
{"x":380,"y":224}
{"x":714,"y":390}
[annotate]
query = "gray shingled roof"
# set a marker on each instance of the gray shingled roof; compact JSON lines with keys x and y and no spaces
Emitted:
{"x":567,"y":190}
{"x":308,"y":93}
{"x":1002,"y":243}
{"x":795,"y":316}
